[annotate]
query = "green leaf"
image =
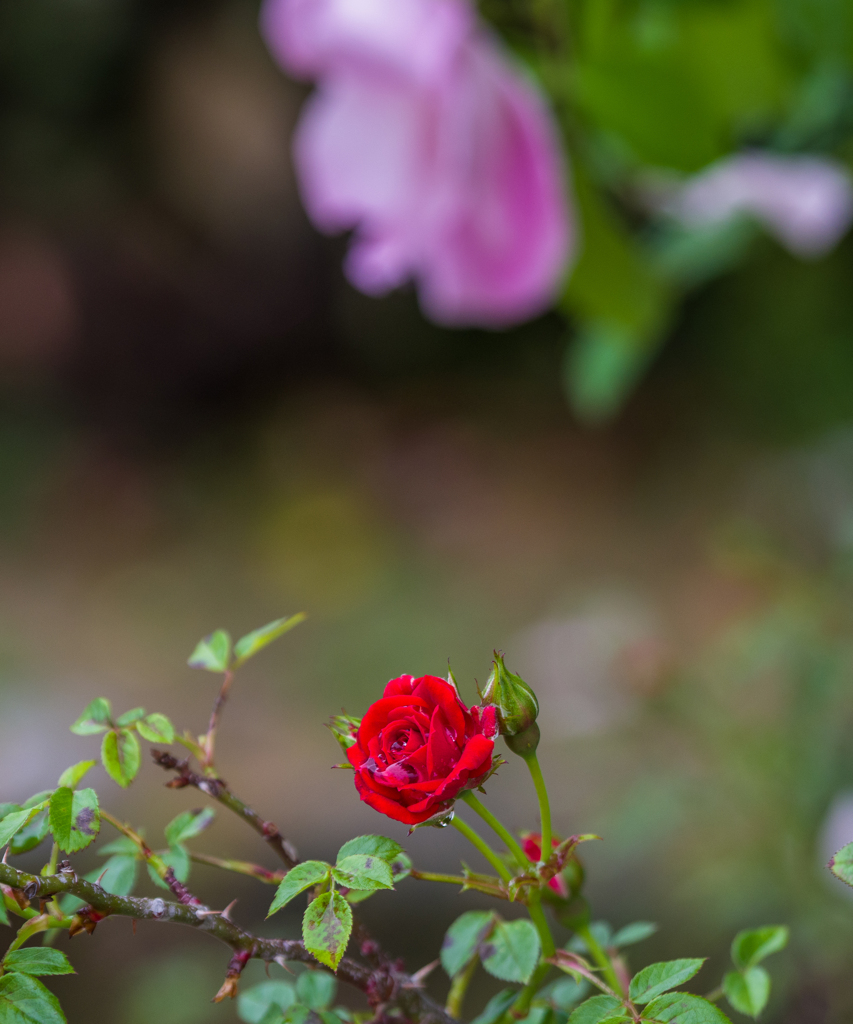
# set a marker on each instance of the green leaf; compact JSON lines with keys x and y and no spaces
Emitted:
{"x":463,"y":937}
{"x":118,"y":876}
{"x":24,"y":1000}
{"x":566,"y":992}
{"x":600,"y":931}
{"x":38,"y":798}
{"x":156,"y":728}
{"x":212,"y":653}
{"x":14,"y":822}
{"x":595,"y":1010}
{"x":496,"y":1007}
{"x":75,"y":818}
{"x":361,"y":871}
{"x":841,"y":865}
{"x":37,"y":960}
{"x":511,"y":952}
{"x":7,"y":808}
{"x":747,"y":991}
{"x":297,"y":880}
{"x":632,"y":933}
{"x":129,"y":717}
{"x":72,"y":776}
{"x":249,"y":645}
{"x":751,"y":947}
{"x":120,"y":756}
{"x":683,"y":1008}
{"x":401,"y":867}
{"x":187,"y":825}
{"x":316,"y":989}
{"x":370,"y":846}
{"x":33,"y":833}
{"x":657,"y":978}
{"x":122,"y":845}
{"x":296,"y":1014}
{"x":4,"y":916}
{"x":94,"y":719}
{"x":326,"y":928}
{"x":254,"y":1003}
{"x":176,"y":858}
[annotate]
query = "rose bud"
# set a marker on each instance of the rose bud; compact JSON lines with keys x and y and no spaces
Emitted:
{"x":344,"y":728}
{"x":569,"y":880}
{"x":419,"y":747}
{"x":516,"y":706}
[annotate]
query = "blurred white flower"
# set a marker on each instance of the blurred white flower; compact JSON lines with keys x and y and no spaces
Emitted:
{"x":806,"y":202}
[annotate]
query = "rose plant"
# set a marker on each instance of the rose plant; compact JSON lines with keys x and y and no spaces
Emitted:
{"x":416,"y":754}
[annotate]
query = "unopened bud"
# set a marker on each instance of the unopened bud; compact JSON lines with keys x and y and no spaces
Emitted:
{"x":516,"y":706}
{"x":344,"y":729}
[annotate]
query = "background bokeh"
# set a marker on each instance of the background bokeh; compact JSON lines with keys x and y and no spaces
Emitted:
{"x":202,"y":425}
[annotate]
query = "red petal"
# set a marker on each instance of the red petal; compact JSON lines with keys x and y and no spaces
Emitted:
{"x":389,"y":807}
{"x":377,"y":715}
{"x":401,"y":686}
{"x":441,"y":693}
{"x":442,"y":751}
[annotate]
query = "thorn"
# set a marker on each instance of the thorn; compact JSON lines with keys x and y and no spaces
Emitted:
{"x":282,"y":962}
{"x":5,"y":855}
{"x":208,"y":913}
{"x":101,"y":875}
{"x":419,"y":977}
{"x":226,"y":913}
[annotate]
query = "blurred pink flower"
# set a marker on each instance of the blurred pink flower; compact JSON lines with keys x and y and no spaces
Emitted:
{"x":423,"y":137}
{"x":804,"y":201}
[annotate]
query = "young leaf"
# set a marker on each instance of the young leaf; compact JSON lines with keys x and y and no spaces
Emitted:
{"x":316,"y":989}
{"x":683,"y":1008}
{"x":463,"y":937}
{"x":24,"y":1000}
{"x":747,"y":991}
{"x":129,"y":717}
{"x":595,"y":1010}
{"x":326,"y":928}
{"x":156,"y":728}
{"x":120,"y":756}
{"x":187,"y":825}
{"x":512,"y":951}
{"x":14,"y":822}
{"x":751,"y":947}
{"x":95,"y":718}
{"x":72,"y":776}
{"x":75,"y":818}
{"x":29,"y":837}
{"x":255,"y":1002}
{"x":841,"y":865}
{"x":249,"y":645}
{"x":37,"y":960}
{"x":370,"y":846}
{"x":297,"y":880}
{"x":496,"y":1007}
{"x":361,"y":871}
{"x":658,"y":978}
{"x":632,"y":933}
{"x":212,"y":653}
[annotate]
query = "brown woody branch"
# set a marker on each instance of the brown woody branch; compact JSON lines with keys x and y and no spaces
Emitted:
{"x":387,"y":986}
{"x":218,"y":790}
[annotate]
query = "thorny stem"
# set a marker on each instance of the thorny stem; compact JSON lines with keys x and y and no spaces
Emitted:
{"x":497,"y":826}
{"x":601,"y":958}
{"x":401,"y":991}
{"x":483,"y":847}
{"x":241,"y":867}
{"x":459,"y":987}
{"x":218,"y":790}
{"x":544,"y":804}
{"x":218,"y":704}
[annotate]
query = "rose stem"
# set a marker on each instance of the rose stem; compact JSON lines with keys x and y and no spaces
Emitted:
{"x":494,"y":823}
{"x":483,"y":847}
{"x":601,"y":958}
{"x":544,"y":805}
{"x":459,"y":987}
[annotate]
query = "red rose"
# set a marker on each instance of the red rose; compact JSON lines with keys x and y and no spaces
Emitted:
{"x":418,"y":747}
{"x":532,"y":846}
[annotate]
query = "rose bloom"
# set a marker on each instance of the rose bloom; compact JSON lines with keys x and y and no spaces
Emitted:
{"x":532,"y":846}
{"x":418,"y":747}
{"x":805,"y":201}
{"x":424,"y":137}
